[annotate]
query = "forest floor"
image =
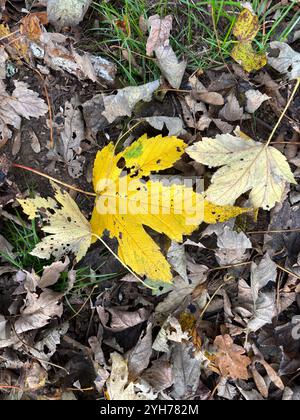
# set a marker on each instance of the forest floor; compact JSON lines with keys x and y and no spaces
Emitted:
{"x":228,"y":325}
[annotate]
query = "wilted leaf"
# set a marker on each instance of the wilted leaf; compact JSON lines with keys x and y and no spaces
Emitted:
{"x":232,"y":111}
{"x":125,"y":213}
{"x":45,"y":348}
{"x":254,"y":100}
{"x":68,"y":228}
{"x":67,"y":12}
{"x":35,"y":377}
{"x":158,"y":41}
{"x":245,"y":30}
{"x":180,"y":291}
{"x":246,"y":166}
{"x":52,"y":273}
{"x":160,"y":30}
{"x":232,"y":247}
{"x":231,"y":359}
{"x":38,"y":310}
{"x":287,"y":60}
{"x":139,"y":356}
{"x":71,"y":138}
{"x":22,"y":103}
{"x":159,"y":375}
{"x":186,"y":371}
{"x":123,"y":103}
{"x":177,"y":258}
{"x":264,"y":301}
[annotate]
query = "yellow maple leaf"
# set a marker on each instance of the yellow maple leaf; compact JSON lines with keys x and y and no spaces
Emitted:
{"x":68,"y":228}
{"x":245,"y":30}
{"x":128,"y":201}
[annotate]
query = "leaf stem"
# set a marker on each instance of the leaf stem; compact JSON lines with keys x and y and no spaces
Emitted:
{"x":284,"y":112}
{"x":35,"y":171}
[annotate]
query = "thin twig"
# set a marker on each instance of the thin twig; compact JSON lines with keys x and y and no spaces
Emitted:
{"x":284,"y":112}
{"x":35,"y":171}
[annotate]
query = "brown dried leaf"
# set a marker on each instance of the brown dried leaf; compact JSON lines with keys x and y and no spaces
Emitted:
{"x":38,"y":310}
{"x":160,"y":30}
{"x":231,"y":359}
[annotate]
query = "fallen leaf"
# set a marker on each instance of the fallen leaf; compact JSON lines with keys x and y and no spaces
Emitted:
{"x":34,"y":141}
{"x":287,"y":60}
{"x":35,"y":377}
{"x":230,"y":358}
{"x":232,"y":247}
{"x":119,"y":319}
{"x":67,"y":13}
{"x":46,"y":347}
{"x":38,"y":310}
{"x":71,"y":138}
{"x":159,"y":375}
{"x":180,"y":291}
{"x":186,"y":372}
{"x":160,"y":30}
{"x":22,"y":103}
{"x":123,"y":103}
{"x":245,"y":30}
{"x":124,"y":212}
{"x":232,"y":110}
{"x":264,"y":301}
{"x":118,"y":387}
{"x":68,"y":228}
{"x":254,"y":100}
{"x":173,"y":124}
{"x":52,"y":273}
{"x":177,"y":258}
{"x":158,"y":41}
{"x":52,"y":49}
{"x":139,"y":357}
{"x":3,"y":59}
{"x":246,"y":166}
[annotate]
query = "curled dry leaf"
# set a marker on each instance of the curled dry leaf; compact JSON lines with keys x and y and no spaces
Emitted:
{"x":231,"y":359}
{"x":158,"y":41}
{"x":160,"y":30}
{"x":246,"y":166}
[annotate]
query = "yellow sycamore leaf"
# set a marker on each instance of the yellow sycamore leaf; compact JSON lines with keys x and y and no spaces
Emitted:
{"x":68,"y":228}
{"x":244,"y":54}
{"x":128,"y":200}
{"x":246,"y":165}
{"x":245,"y":30}
{"x":246,"y":27}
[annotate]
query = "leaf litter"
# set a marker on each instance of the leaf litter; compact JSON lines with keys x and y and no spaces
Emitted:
{"x":221,"y":317}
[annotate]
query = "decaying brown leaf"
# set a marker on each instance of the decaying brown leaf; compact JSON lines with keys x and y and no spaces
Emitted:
{"x":230,"y":358}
